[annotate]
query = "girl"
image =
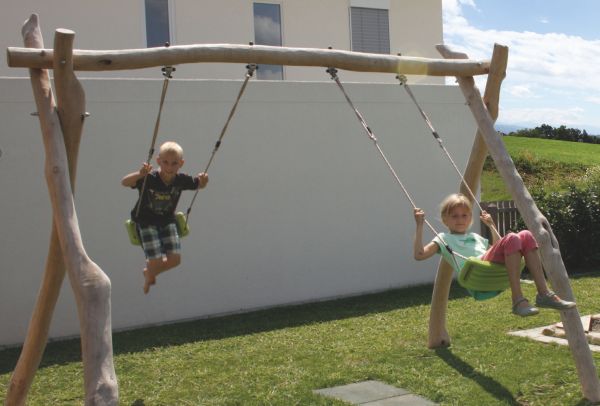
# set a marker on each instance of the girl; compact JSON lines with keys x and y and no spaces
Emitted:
{"x":456,"y":211}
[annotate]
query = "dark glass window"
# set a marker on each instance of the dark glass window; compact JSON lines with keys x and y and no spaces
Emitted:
{"x":157,"y":22}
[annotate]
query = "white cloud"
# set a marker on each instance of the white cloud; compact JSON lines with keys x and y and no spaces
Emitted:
{"x":532,"y":117}
{"x":542,"y":65}
{"x":521,"y":91}
{"x":544,"y":20}
{"x":593,"y":99}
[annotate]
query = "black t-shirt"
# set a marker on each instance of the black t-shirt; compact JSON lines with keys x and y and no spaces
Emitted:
{"x":160,"y":200}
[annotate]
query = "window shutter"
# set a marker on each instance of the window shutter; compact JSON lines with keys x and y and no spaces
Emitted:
{"x":370,"y":30}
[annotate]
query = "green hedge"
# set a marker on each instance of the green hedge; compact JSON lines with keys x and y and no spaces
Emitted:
{"x":575,"y":219}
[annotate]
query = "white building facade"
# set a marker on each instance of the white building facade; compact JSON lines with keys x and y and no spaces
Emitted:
{"x":384,"y":26}
{"x":299,"y":206}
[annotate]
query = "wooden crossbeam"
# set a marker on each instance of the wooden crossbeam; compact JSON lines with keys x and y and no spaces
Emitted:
{"x":109,"y":60}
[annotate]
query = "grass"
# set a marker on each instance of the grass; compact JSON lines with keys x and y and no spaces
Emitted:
{"x":550,"y":162}
{"x":278,"y":356}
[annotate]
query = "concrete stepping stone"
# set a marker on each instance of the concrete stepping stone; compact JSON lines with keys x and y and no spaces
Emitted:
{"x":373,"y":393}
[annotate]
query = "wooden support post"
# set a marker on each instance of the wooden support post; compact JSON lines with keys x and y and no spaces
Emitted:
{"x":438,"y":334}
{"x":39,"y":325}
{"x":541,"y":229}
{"x":91,"y":286}
{"x":491,"y":98}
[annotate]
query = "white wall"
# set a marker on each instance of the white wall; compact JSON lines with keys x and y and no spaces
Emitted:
{"x":415,"y":28}
{"x":299,"y":206}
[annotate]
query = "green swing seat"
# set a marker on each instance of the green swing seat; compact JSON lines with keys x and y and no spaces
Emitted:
{"x":182,"y":228}
{"x":484,"y":279}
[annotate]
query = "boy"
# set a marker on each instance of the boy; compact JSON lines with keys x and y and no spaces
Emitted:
{"x":155,"y":216}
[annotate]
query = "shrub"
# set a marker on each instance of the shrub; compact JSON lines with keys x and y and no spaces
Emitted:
{"x":574,"y":216}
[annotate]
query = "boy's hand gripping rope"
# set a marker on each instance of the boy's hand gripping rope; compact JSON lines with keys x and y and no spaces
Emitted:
{"x":249,"y":73}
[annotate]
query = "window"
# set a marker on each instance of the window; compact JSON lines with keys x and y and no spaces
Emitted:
{"x":157,"y":22}
{"x":370,"y":30}
{"x":267,"y":31}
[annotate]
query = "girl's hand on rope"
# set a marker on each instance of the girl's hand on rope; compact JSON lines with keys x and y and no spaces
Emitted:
{"x":419,"y":216}
{"x":202,"y":180}
{"x":145,"y":169}
{"x":486,"y":218}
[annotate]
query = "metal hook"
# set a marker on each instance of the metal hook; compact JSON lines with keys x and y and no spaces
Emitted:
{"x":168,"y":71}
{"x":402,"y":78}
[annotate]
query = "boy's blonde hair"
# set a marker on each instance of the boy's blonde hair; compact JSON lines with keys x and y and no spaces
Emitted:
{"x":453,"y":201}
{"x":171,"y":147}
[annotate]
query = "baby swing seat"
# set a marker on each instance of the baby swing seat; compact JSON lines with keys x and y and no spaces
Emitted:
{"x":484,"y":276}
{"x":182,"y":228}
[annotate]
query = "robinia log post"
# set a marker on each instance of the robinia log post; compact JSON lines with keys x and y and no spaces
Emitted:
{"x":438,"y":333}
{"x":91,"y":286}
{"x":541,"y":229}
{"x":39,"y":325}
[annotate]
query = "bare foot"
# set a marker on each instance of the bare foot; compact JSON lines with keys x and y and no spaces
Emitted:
{"x":149,"y":280}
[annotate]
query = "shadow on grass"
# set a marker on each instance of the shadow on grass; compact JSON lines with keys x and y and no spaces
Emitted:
{"x":488,"y":384}
{"x":67,"y":351}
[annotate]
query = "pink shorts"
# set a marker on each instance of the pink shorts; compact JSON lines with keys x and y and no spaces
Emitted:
{"x":522,"y":242}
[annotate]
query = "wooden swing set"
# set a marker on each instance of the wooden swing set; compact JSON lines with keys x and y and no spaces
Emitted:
{"x":61,"y":124}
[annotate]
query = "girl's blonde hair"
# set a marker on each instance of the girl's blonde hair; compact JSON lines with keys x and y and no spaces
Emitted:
{"x":453,"y":201}
{"x":171,"y":147}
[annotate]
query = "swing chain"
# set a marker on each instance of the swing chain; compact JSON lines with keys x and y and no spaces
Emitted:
{"x":404,"y":82}
{"x":250,"y":71}
{"x":436,"y":136}
{"x":167,"y":72}
{"x":333,"y":72}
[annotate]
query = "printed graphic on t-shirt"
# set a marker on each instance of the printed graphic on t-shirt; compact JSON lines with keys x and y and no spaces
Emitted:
{"x":161,"y":202}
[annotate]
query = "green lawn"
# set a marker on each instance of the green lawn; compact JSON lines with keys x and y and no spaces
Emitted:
{"x":560,"y":151}
{"x":549,"y":162}
{"x":277,"y":357}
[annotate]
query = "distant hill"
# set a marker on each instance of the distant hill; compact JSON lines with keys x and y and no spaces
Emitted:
{"x":508,"y":128}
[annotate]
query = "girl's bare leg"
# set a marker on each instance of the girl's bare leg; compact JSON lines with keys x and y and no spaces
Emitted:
{"x":534,"y":264}
{"x":513,"y":267}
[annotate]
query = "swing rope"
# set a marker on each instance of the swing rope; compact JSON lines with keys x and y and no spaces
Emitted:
{"x":249,"y":73}
{"x":333,"y":73}
{"x":167,"y":72}
{"x":404,"y":82}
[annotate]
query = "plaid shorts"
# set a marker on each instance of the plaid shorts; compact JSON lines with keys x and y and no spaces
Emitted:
{"x":159,"y":240}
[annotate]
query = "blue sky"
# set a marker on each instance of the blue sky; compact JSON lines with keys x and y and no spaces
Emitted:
{"x":553,"y":74}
